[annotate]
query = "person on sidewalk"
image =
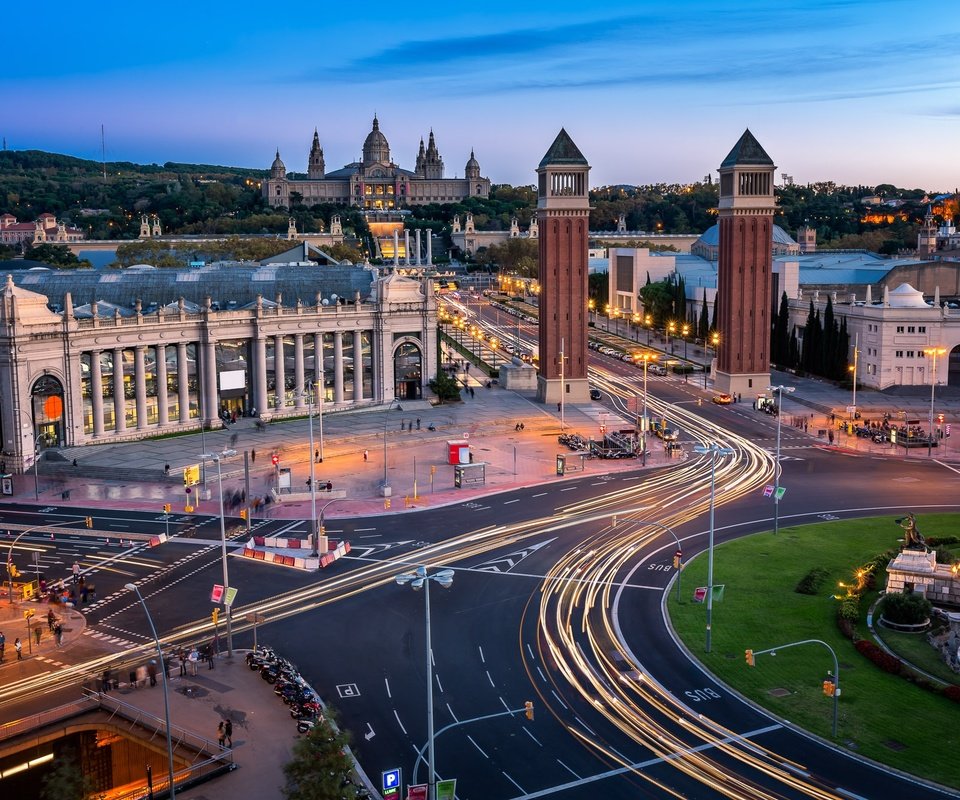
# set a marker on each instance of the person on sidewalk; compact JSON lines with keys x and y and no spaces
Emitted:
{"x":75,"y":569}
{"x":19,"y":648}
{"x":37,"y":633}
{"x":366,"y":455}
{"x":51,"y":619}
{"x":58,"y":632}
{"x":152,"y":672}
{"x":221,"y":734}
{"x":3,"y":644}
{"x":228,"y":733}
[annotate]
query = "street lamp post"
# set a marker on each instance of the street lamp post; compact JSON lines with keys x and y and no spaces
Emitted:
{"x":686,"y":332}
{"x":714,"y":450}
{"x":935,"y":353}
{"x":856,"y":356}
{"x":715,"y":341}
{"x":313,"y":478}
{"x":671,"y":329}
{"x":36,"y":451}
{"x":648,"y":322}
{"x":776,"y":469}
{"x":385,"y":486}
{"x":646,"y":358}
{"x":419,"y":579}
{"x":635,"y":319}
{"x":217,"y":458}
{"x":166,"y":694}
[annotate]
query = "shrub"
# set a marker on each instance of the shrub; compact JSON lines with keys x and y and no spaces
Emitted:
{"x":880,"y":657}
{"x":952,"y":692}
{"x":847,"y":628}
{"x":849,"y":609}
{"x":936,"y":541}
{"x":905,"y":609}
{"x":944,"y":555}
{"x":811,"y":582}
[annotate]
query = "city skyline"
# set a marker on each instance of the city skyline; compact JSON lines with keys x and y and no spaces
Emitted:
{"x":840,"y":90}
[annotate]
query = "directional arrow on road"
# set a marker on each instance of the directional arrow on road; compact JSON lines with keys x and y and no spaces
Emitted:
{"x":369,"y":550}
{"x":369,"y":734}
{"x":509,"y":561}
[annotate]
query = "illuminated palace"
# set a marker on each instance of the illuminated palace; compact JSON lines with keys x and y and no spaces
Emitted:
{"x":375,"y":182}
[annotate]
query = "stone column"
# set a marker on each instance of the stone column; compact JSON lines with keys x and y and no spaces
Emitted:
{"x":318,"y":381}
{"x":396,"y":249}
{"x":429,"y":248}
{"x":118,"y":401}
{"x":416,"y":254}
{"x":299,"y":401}
{"x":338,"y":365}
{"x":163,"y":404}
{"x":140,"y":385}
{"x":208,"y":381}
{"x":183,"y":382}
{"x":278,"y":370}
{"x":406,"y":247}
{"x":357,"y":366}
{"x":96,"y":392}
{"x":260,"y":378}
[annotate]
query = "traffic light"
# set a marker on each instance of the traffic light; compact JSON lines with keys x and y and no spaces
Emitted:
{"x":166,"y":508}
{"x":751,"y":661}
{"x":89,"y":522}
{"x":386,"y":502}
{"x":243,"y":513}
{"x":215,"y":614}
{"x":275,"y":459}
{"x":677,"y":558}
{"x":528,"y":706}
{"x":14,"y":572}
{"x":829,"y":687}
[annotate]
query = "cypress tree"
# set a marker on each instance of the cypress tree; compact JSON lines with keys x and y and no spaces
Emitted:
{"x":703,"y":327}
{"x":809,"y":339}
{"x":828,"y":347}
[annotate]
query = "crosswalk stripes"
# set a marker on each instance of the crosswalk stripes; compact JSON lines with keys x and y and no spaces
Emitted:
{"x":106,"y":637}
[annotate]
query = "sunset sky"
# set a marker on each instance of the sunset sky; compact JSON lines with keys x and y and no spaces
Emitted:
{"x":843,"y":90}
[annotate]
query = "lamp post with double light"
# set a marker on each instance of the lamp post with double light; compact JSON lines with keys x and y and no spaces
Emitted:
{"x":714,"y":451}
{"x":934,"y":353}
{"x":646,"y":358}
{"x":216,"y":458}
{"x":685,"y":330}
{"x":635,"y":319}
{"x":310,"y":394}
{"x":420,"y":579}
{"x":776,"y":469}
{"x":166,"y":694}
{"x":671,"y":331}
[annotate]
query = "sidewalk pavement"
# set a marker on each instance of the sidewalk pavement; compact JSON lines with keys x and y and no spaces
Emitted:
{"x":360,"y":448}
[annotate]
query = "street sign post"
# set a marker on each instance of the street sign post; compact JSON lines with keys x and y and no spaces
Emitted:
{"x":230,"y":596}
{"x":216,"y":594}
{"x":390,"y":784}
{"x":447,"y":790}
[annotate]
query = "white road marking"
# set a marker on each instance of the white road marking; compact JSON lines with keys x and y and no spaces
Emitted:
{"x":478,"y":747}
{"x":568,"y":769}
{"x":386,"y":683}
{"x":491,"y":680}
{"x":570,"y":489}
{"x":526,"y":731}
{"x":542,"y":676}
{"x":558,"y":698}
{"x":439,"y":685}
{"x":542,"y":494}
{"x":508,"y":502}
{"x":482,"y":661}
{"x":451,"y":713}
{"x":512,"y":780}
{"x":399,"y":722}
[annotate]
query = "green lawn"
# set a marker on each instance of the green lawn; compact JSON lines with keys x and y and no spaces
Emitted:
{"x":882,"y":716}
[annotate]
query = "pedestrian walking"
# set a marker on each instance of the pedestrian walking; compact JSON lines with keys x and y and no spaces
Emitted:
{"x":253,"y":456}
{"x":316,"y":456}
{"x":221,"y":734}
{"x":210,"y":664}
{"x":37,"y":633}
{"x":105,"y":682}
{"x":3,"y":644}
{"x":58,"y":633}
{"x":19,"y":648}
{"x":366,"y":455}
{"x":76,"y":571}
{"x":183,"y":663}
{"x":51,"y":619}
{"x":418,"y":423}
{"x":152,"y":672}
{"x":228,"y":732}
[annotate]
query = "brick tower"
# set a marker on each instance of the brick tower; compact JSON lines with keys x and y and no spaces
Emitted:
{"x":744,"y":273}
{"x":563,"y":211}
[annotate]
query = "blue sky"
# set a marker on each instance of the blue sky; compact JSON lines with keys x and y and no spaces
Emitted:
{"x":842,"y":90}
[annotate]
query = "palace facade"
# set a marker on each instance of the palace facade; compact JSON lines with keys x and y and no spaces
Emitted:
{"x":201,"y":345}
{"x":375,"y":182}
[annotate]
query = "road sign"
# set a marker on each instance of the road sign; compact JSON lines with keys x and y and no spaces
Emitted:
{"x":781,"y":492}
{"x":390,"y":783}
{"x":418,"y":792}
{"x":447,"y":790}
{"x":216,"y":594}
{"x":768,"y":490}
{"x":191,"y":475}
{"x":699,"y":594}
{"x":231,"y":595}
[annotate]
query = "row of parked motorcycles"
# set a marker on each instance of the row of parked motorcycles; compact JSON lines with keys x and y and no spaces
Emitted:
{"x":289,"y":685}
{"x":574,"y":441}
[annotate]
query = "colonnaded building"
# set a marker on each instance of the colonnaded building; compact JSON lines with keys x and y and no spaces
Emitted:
{"x":81,"y":364}
{"x":375,"y":182}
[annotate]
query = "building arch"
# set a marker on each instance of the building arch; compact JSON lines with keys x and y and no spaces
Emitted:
{"x":408,"y":370}
{"x":47,"y":411}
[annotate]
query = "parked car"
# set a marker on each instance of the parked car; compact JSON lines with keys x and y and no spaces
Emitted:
{"x":595,"y":394}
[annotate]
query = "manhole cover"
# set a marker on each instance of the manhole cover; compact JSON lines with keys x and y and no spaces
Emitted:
{"x":192,"y":691}
{"x":779,"y":692}
{"x":893,"y":744}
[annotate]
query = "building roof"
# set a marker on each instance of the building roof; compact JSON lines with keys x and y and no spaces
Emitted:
{"x":711,"y":236}
{"x":563,"y":151}
{"x":747,"y":152}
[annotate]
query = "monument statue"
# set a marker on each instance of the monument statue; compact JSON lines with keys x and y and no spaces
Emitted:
{"x":912,"y":539}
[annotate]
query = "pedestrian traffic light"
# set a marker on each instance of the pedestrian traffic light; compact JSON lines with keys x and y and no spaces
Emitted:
{"x":215,"y":614}
{"x":751,"y":661}
{"x":528,"y":706}
{"x":829,"y":687}
{"x":243,"y":513}
{"x":14,"y":572}
{"x":166,"y":508}
{"x":89,"y":522}
{"x":677,"y":557}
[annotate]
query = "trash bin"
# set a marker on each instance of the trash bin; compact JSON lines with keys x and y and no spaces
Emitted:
{"x":65,"y":494}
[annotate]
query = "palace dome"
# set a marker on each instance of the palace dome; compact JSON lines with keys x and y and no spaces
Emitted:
{"x":375,"y":146}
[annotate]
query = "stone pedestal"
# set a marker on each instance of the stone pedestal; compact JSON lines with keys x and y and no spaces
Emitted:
{"x":912,"y":569}
{"x":518,"y":377}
